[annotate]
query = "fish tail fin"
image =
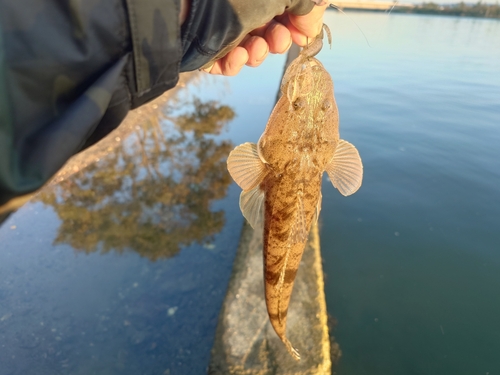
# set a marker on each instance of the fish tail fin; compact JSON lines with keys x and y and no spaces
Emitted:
{"x":294,"y":352}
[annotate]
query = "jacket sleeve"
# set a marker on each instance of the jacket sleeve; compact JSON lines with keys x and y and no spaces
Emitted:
{"x":69,"y":73}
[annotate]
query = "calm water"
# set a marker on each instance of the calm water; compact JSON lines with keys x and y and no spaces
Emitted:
{"x":413,"y":259}
{"x":122,"y":269}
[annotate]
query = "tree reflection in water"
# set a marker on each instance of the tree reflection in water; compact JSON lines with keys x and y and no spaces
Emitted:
{"x":153,"y":193}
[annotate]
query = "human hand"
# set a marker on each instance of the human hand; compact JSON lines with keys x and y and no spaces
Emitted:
{"x":276,"y":36}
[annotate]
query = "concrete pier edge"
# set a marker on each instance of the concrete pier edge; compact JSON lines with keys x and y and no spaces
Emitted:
{"x":320,"y":282}
{"x":245,"y":342}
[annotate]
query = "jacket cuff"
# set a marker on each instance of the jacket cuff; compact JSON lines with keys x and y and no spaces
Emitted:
{"x":157,"y":50}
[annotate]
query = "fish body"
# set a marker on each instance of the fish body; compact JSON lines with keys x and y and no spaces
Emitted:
{"x":281,"y":176}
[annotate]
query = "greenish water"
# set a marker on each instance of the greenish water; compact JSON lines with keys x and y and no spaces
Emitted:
{"x":413,"y":258}
{"x":122,"y":268}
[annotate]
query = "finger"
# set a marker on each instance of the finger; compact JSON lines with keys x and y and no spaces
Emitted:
{"x":304,"y":28}
{"x":260,"y":31}
{"x":297,"y":36}
{"x":310,"y":24}
{"x":278,"y":37}
{"x":232,"y":63}
{"x":257,"y":49}
{"x":214,"y":68}
{"x":208,"y":68}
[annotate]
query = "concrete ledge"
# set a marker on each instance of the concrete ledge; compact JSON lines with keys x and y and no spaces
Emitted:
{"x":245,"y":341}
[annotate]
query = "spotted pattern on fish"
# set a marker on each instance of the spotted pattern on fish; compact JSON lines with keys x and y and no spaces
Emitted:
{"x":282,"y":176}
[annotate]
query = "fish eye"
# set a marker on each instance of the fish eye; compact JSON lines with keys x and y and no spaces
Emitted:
{"x":326,"y":105}
{"x":299,"y":103}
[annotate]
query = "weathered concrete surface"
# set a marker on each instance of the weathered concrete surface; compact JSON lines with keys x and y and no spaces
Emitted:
{"x":245,"y":341}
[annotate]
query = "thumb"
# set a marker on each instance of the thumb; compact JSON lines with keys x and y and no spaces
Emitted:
{"x":310,"y":24}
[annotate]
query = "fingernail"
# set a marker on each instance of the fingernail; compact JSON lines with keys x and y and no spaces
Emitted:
{"x":207,"y":68}
{"x":288,"y":47}
{"x":263,"y":57}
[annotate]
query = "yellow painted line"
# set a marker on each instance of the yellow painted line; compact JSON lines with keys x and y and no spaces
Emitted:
{"x":326,"y":364}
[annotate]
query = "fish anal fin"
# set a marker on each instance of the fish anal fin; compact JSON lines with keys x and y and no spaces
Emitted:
{"x":252,"y":206}
{"x":345,"y":169}
{"x":245,"y":166}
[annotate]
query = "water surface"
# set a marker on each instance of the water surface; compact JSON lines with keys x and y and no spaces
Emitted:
{"x":122,"y":268}
{"x":413,"y":258}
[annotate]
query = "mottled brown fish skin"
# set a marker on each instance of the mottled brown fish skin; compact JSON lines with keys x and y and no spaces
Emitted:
{"x":281,"y":253}
{"x":300,"y":139}
{"x":281,"y":175}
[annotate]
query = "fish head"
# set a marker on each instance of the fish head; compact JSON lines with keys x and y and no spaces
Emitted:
{"x":304,"y":122}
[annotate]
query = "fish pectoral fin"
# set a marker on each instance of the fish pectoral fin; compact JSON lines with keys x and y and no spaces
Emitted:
{"x":345,"y":169}
{"x":252,"y":206}
{"x":298,"y":232}
{"x":318,"y":208}
{"x":245,"y":166}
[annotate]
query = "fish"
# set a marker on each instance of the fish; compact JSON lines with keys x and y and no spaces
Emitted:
{"x":281,"y":175}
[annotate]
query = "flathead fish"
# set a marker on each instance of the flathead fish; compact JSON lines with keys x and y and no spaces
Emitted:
{"x":281,"y":175}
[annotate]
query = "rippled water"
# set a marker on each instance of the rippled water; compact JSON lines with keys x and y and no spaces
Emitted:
{"x":123,"y":269}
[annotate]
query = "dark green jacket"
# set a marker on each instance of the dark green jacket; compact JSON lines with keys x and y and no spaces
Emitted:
{"x":70,"y":70}
{"x":69,"y":73}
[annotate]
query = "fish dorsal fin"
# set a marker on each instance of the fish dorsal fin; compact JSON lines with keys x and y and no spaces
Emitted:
{"x":245,"y":166}
{"x":252,"y":206}
{"x":318,"y":208}
{"x":345,"y":169}
{"x":298,"y":232}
